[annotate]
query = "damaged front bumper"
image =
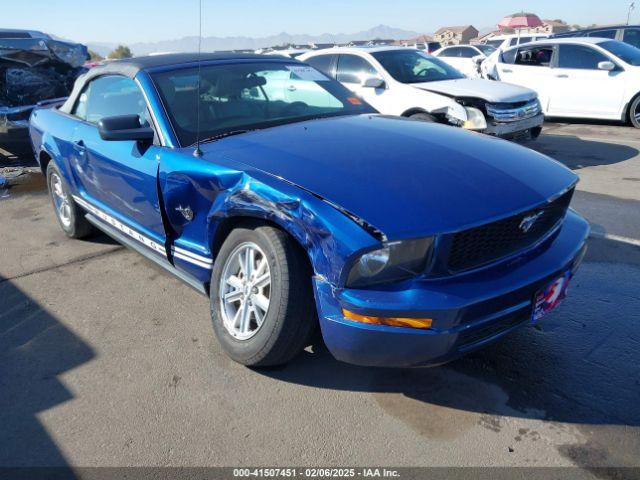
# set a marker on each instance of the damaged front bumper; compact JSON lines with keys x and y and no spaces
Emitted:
{"x":468,"y":311}
{"x":516,"y":128}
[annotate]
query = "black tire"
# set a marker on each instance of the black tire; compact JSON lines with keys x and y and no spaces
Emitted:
{"x":423,"y":117}
{"x":535,"y":132}
{"x":291,"y":318}
{"x":634,"y":112}
{"x":77,"y":226}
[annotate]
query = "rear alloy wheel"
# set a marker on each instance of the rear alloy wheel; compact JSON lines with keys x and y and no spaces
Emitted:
{"x":69,"y":215}
{"x":634,"y":112}
{"x":262,"y":304}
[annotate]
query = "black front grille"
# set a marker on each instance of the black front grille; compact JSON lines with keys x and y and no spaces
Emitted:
{"x":485,"y":244}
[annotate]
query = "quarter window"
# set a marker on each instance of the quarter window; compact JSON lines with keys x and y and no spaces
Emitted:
{"x":580,"y":57}
{"x":109,"y":96}
{"x":354,"y":69}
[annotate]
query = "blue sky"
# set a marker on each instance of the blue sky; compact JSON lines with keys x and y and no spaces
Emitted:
{"x":130,"y":21}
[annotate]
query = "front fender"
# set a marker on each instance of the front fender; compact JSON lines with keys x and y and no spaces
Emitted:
{"x":217,"y":194}
{"x":436,"y":103}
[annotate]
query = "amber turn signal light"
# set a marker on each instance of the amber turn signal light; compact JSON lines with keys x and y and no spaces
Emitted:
{"x":422,"y":323}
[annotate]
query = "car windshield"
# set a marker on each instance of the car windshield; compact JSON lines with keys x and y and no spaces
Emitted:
{"x":623,"y":51}
{"x":235,"y":98}
{"x":413,"y":66}
{"x":486,"y":49}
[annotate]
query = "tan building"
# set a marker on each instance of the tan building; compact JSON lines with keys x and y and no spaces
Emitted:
{"x":549,"y":27}
{"x":459,"y":35}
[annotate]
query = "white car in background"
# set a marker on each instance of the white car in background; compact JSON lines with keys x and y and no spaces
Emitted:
{"x":500,"y":43}
{"x":466,"y":58}
{"x":407,"y":82}
{"x":578,"y":77}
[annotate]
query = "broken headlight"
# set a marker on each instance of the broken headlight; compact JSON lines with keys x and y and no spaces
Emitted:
{"x":475,"y":119}
{"x":393,"y":262}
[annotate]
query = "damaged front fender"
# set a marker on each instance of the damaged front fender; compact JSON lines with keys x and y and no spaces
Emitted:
{"x":216,"y":194}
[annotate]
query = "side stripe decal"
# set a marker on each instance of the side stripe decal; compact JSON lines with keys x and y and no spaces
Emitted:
{"x":198,"y":260}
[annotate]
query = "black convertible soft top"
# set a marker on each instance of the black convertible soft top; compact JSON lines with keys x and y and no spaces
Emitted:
{"x":130,"y":67}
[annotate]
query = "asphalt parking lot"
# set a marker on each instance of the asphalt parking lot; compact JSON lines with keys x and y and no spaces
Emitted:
{"x":107,"y":361}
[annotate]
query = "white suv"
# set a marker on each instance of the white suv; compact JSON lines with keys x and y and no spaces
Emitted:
{"x":406,"y":82}
{"x":578,"y":77}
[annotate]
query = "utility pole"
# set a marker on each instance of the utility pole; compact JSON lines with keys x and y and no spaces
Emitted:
{"x":632,"y":5}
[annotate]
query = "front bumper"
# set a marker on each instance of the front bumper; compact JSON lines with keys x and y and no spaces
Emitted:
{"x":510,"y":129}
{"x":468,"y":311}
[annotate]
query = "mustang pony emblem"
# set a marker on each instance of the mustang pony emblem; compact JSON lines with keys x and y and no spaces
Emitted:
{"x":528,"y":221}
{"x":186,"y":212}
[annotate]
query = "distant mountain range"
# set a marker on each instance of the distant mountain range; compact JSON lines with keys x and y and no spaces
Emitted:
{"x":190,"y":44}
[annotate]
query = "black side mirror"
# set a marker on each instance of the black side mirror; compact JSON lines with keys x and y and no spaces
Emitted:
{"x":124,"y":127}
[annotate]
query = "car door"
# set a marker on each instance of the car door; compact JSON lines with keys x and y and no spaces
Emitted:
{"x":580,"y":88}
{"x":529,"y":66}
{"x":352,"y":71}
{"x":117,"y":177}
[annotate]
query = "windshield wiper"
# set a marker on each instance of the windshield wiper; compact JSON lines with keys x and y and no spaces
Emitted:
{"x":219,"y":136}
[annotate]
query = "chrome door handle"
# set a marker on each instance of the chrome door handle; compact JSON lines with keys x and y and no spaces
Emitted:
{"x":291,"y":88}
{"x":506,"y":70}
{"x":562,"y":76}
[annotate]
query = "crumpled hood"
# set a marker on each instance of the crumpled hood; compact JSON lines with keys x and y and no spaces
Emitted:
{"x":406,"y":178}
{"x":37,"y":69}
{"x":37,"y":51}
{"x":494,"y":92}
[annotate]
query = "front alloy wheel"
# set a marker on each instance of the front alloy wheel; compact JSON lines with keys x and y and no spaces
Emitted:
{"x":262,"y":304}
{"x":245,"y":291}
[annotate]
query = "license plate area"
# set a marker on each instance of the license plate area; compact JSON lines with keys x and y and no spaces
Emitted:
{"x":550,"y":296}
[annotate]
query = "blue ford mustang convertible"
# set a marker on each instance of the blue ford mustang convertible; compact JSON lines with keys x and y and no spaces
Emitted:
{"x":292,"y":204}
